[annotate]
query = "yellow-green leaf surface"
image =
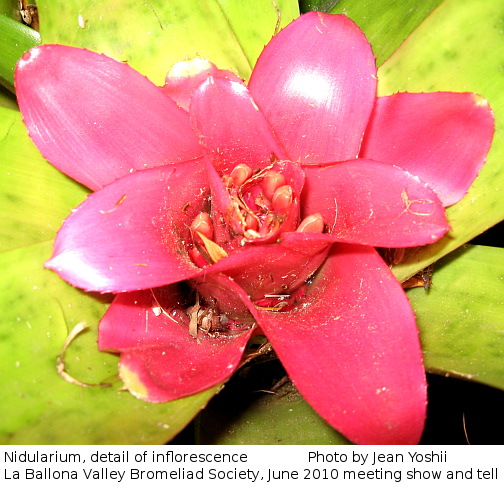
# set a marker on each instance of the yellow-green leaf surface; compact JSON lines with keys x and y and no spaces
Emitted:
{"x":461,"y":317}
{"x":279,"y":417}
{"x":386,"y":23}
{"x":37,"y":406}
{"x":34,"y":196}
{"x":457,"y":48}
{"x":152,"y":36}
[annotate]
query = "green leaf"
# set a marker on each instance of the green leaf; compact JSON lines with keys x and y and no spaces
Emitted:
{"x":34,"y":196}
{"x":280,"y":417}
{"x":269,"y":16}
{"x":461,"y":318}
{"x":9,"y":8}
{"x":37,"y":406}
{"x":317,"y":5}
{"x":152,"y":36}
{"x":15,"y":39}
{"x":386,"y":23}
{"x":7,"y":99}
{"x":456,"y":49}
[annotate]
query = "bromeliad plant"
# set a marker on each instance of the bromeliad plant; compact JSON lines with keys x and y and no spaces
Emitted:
{"x":223,"y":210}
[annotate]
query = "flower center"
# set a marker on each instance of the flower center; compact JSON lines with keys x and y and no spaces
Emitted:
{"x":262,"y":205}
{"x":252,"y":208}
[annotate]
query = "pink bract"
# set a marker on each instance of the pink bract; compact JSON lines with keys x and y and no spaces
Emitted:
{"x":222,"y":210}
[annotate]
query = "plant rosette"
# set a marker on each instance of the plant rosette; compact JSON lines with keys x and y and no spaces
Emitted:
{"x":222,"y":210}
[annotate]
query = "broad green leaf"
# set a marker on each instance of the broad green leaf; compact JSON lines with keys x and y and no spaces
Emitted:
{"x":15,"y":39}
{"x":34,"y":196}
{"x":386,"y":23}
{"x":36,"y":405}
{"x":456,"y":49}
{"x":152,"y":36}
{"x":461,"y":317}
{"x":280,"y":417}
{"x":252,"y":36}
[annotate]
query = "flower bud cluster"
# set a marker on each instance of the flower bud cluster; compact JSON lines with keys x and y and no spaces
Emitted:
{"x":260,"y":203}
